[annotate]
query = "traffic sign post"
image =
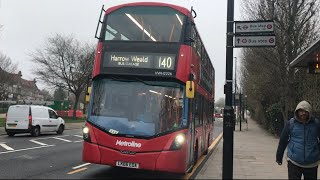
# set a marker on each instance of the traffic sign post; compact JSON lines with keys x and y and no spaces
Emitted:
{"x":247,"y":34}
{"x":228,"y":112}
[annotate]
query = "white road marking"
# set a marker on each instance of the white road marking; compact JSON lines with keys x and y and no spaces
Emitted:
{"x":76,"y":171}
{"x":40,"y":143}
{"x":78,"y":136}
{"x":62,"y":139}
{"x":26,"y":149}
{"x":76,"y":167}
{"x":78,"y":141}
{"x":50,"y":137}
{"x":6,"y":147}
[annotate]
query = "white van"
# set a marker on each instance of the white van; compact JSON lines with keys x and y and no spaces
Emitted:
{"x":32,"y":119}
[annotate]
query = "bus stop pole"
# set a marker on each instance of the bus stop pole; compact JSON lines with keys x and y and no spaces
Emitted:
{"x":228,"y":118}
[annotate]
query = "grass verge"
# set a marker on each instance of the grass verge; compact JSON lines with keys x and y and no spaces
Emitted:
{"x":70,"y":120}
{"x":1,"y":122}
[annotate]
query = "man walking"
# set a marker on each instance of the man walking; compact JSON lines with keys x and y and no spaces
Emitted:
{"x":301,"y":137}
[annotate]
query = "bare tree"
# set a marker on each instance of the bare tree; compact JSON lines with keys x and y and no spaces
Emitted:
{"x":59,"y":94}
{"x":220,"y":103}
{"x":268,"y":80}
{"x":64,"y":62}
{"x":46,"y":95}
{"x":6,"y":68}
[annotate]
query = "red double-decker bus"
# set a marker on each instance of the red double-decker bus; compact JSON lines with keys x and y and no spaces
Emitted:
{"x":152,"y":96}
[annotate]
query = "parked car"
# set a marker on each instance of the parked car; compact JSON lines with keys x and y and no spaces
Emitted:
{"x":32,"y":119}
{"x":218,"y":115}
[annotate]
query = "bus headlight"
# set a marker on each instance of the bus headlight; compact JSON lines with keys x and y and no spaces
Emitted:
{"x":178,"y":142}
{"x":85,"y":130}
{"x":86,"y":134}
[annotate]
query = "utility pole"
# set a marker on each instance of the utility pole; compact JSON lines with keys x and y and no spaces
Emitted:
{"x":228,"y":114}
{"x":240,"y":102}
{"x":235,"y":92}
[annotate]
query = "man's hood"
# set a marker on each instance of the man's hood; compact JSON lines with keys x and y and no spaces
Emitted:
{"x":305,"y":106}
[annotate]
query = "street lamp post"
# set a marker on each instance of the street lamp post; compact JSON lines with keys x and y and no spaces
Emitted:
{"x":246,"y":109}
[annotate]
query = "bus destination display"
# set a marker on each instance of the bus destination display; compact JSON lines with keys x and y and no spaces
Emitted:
{"x":140,"y":60}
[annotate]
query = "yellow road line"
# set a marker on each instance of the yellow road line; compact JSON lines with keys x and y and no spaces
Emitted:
{"x":214,"y":143}
{"x":78,"y":170}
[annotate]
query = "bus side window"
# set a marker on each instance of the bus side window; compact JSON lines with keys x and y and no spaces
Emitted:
{"x":202,"y":113}
{"x":117,"y":36}
{"x":211,"y":112}
{"x":198,"y":110}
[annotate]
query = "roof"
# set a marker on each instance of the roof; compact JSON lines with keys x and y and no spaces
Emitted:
{"x":15,"y":78}
{"x":178,"y":8}
{"x":31,"y":105}
{"x":28,"y":84}
{"x":307,"y":56}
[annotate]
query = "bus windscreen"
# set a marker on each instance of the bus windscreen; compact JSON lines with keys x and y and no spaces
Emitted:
{"x":143,"y":23}
{"x":137,"y":108}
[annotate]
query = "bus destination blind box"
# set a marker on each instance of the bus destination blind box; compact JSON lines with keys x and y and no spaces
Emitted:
{"x":140,"y":60}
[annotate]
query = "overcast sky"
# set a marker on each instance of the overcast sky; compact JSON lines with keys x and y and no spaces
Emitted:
{"x":27,"y":24}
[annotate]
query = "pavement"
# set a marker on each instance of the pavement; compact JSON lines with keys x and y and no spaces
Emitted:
{"x":254,"y":156}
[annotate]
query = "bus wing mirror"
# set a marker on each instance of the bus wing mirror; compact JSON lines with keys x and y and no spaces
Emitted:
{"x":190,"y":89}
{"x":88,"y":94}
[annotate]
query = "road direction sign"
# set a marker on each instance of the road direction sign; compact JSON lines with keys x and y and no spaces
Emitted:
{"x":253,"y":27}
{"x":255,"y":41}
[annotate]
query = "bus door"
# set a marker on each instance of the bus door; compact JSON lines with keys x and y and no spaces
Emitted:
{"x":204,"y":111}
{"x":189,"y":110}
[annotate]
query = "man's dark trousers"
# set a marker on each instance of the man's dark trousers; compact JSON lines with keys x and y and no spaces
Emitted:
{"x":295,"y":172}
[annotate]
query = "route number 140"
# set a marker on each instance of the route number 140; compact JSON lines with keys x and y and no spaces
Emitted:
{"x":165,"y":62}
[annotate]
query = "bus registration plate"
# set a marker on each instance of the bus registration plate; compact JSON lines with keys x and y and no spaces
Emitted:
{"x":127,"y":164}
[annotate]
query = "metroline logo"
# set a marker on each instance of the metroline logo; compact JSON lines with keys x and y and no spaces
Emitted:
{"x":126,"y":143}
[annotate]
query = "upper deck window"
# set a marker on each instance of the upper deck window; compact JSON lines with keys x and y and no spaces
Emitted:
{"x":145,"y":23}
